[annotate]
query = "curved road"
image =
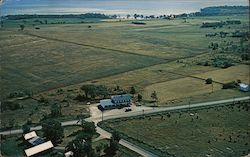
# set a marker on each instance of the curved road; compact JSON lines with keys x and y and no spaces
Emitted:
{"x":105,"y":134}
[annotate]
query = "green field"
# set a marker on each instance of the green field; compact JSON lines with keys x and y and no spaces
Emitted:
{"x":220,"y":131}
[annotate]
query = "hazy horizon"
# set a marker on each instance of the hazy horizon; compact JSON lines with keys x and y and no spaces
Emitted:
{"x":120,"y":7}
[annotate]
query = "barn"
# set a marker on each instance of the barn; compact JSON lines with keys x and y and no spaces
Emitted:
{"x":116,"y":101}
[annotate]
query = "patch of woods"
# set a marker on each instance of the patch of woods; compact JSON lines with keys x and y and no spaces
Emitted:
{"x":94,"y":92}
{"x":81,"y":16}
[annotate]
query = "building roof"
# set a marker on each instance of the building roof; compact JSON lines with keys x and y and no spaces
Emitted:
{"x":242,"y":85}
{"x":36,"y":141}
{"x":106,"y":102}
{"x":29,"y":135}
{"x":121,"y":98}
{"x":39,"y":148}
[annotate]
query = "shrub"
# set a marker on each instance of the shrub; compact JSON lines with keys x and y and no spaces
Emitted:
{"x":229,"y":85}
{"x":209,"y":81}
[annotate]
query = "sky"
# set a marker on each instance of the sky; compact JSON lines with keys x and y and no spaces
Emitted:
{"x":121,"y":7}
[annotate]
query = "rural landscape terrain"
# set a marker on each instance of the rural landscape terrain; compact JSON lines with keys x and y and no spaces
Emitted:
{"x":56,"y":68}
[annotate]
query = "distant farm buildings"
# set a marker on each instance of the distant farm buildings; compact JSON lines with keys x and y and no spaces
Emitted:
{"x":207,"y":24}
{"x":138,"y":23}
{"x":212,"y":24}
{"x":233,"y":22}
{"x":116,"y":101}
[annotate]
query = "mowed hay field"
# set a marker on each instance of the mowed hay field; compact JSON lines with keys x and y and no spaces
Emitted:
{"x":179,"y":88}
{"x":194,"y":85}
{"x":220,"y":132}
{"x":240,"y":72}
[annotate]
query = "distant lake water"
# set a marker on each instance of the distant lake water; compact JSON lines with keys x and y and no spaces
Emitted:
{"x":120,"y":7}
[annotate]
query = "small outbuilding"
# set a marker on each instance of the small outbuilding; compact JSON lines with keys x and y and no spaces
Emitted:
{"x":244,"y":87}
{"x":30,"y":135}
{"x":39,"y":149}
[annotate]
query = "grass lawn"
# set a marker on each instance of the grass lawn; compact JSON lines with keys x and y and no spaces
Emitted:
{"x":221,"y":131}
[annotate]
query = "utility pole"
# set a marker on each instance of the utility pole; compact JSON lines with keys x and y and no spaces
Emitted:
{"x":1,"y":20}
{"x":102,"y":115}
{"x":212,"y":87}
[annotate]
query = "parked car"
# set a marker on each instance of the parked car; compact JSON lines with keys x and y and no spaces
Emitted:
{"x":128,"y":110}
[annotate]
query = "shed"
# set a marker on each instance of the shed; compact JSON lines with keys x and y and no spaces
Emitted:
{"x":39,"y":148}
{"x":30,"y":135}
{"x":244,"y":87}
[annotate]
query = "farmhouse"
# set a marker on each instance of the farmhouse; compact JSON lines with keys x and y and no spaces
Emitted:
{"x":116,"y":101}
{"x":244,"y":87}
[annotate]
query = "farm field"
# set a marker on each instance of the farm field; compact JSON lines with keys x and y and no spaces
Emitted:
{"x":163,"y":55}
{"x":219,"y":131}
{"x":240,"y":72}
{"x":194,"y":85}
{"x":58,"y":55}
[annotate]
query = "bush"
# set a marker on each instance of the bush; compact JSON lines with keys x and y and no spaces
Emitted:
{"x":245,"y":56}
{"x":229,"y":85}
{"x":209,"y":81}
{"x":10,"y":105}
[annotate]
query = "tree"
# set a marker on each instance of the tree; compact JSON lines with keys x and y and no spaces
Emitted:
{"x":116,"y":136}
{"x":87,"y":89}
{"x":56,"y":110}
{"x":113,"y":145}
{"x":135,"y":16}
{"x":21,"y":27}
{"x":209,"y":81}
{"x":139,"y":97}
{"x":25,"y":128}
{"x":89,"y":129}
{"x":95,"y":90}
{"x":128,"y":16}
{"x":154,"y":96}
{"x":52,"y":130}
{"x":81,"y":146}
{"x":132,"y":90}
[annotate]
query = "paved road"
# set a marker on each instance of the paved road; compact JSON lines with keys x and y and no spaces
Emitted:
{"x":105,"y":134}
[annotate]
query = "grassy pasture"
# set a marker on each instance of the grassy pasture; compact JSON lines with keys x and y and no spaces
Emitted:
{"x":144,"y":77}
{"x":45,"y":64}
{"x":240,"y":72}
{"x":48,"y":64}
{"x":183,"y":134}
{"x":179,"y":88}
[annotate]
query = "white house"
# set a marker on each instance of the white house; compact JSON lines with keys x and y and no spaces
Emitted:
{"x":244,"y":87}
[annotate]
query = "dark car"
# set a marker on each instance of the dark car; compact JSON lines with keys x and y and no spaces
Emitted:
{"x":128,"y":110}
